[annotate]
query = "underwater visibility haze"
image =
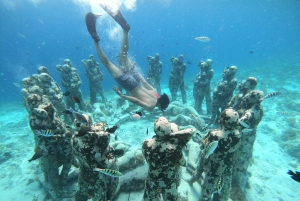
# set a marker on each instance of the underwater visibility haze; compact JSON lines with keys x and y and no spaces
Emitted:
{"x":259,"y":38}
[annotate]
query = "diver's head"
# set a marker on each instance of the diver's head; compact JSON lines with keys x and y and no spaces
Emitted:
{"x":163,"y":102}
{"x":162,"y":127}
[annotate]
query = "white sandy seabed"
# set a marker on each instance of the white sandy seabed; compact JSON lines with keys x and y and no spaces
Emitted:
{"x":268,"y":181}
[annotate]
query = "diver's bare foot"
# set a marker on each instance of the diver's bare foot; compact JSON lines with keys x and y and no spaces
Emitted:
{"x":117,"y":91}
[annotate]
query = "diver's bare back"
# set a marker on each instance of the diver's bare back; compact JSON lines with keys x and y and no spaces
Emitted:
{"x":145,"y":95}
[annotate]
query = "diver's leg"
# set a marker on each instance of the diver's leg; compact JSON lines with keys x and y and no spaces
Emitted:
{"x":118,"y":17}
{"x":112,"y":69}
{"x":125,"y":61}
{"x":90,"y":20}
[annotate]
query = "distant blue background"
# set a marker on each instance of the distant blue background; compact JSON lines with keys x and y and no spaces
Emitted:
{"x":271,"y":30}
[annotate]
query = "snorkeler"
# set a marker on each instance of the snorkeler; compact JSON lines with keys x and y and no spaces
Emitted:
{"x":141,"y":92}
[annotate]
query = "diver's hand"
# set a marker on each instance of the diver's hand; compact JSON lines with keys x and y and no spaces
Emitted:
{"x":117,"y":91}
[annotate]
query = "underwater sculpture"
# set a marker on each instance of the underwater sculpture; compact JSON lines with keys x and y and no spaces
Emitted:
{"x":163,"y":154}
{"x":251,"y":113}
{"x":154,"y":72}
{"x":44,"y":84}
{"x":90,"y":145}
{"x":244,"y":87}
{"x":185,"y":115}
{"x":202,"y":86}
{"x":53,"y":93}
{"x":217,"y":157}
{"x":53,"y":147}
{"x":176,"y":80}
{"x":29,"y":87}
{"x":95,"y":76}
{"x":71,"y":81}
{"x":223,"y":93}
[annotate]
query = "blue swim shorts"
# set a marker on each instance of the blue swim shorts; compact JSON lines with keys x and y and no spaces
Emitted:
{"x":129,"y":80}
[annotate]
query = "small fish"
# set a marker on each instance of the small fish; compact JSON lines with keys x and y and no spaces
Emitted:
{"x":109,"y":172}
{"x":194,"y":118}
{"x":17,"y":85}
{"x":112,"y":129}
{"x":80,"y":118}
{"x":220,"y":185}
{"x":211,"y":148}
{"x":43,"y":43}
{"x":67,"y":112}
{"x":147,"y":131}
{"x":247,"y":130}
{"x":294,"y":175}
{"x":139,"y":113}
{"x":251,"y":52}
{"x":135,"y":116}
{"x":282,"y":113}
{"x":202,"y":39}
{"x":118,"y":152}
{"x":75,"y":99}
{"x":38,"y":153}
{"x":44,"y":133}
{"x":244,"y":124}
{"x":67,"y":93}
{"x":21,"y":35}
{"x":189,"y":62}
{"x":272,"y":94}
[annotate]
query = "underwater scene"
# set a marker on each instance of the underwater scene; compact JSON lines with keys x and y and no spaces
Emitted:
{"x":149,"y":100}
